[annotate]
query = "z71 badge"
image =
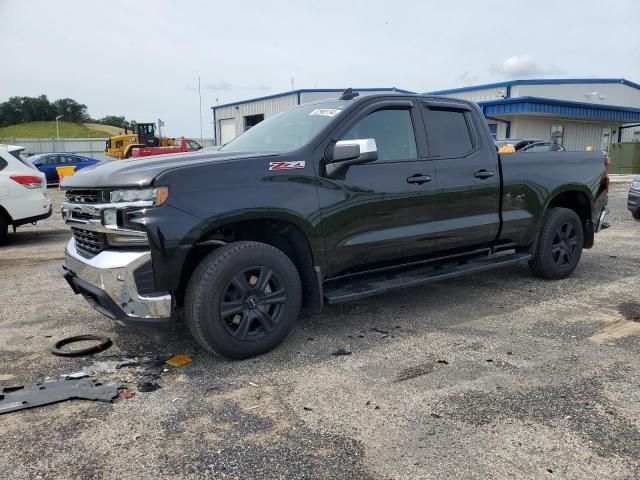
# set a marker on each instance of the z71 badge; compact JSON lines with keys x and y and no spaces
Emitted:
{"x":286,"y":165}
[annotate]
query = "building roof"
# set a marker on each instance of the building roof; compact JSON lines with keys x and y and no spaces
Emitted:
{"x":311,"y":90}
{"x":537,"y":81}
{"x":509,"y":106}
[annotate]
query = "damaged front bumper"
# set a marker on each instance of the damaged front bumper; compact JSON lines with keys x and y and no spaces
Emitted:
{"x":107,"y":281}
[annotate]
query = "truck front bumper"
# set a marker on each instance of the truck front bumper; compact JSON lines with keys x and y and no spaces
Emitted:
{"x":108,"y":283}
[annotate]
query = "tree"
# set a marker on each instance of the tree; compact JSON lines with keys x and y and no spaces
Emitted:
{"x":72,"y":110}
{"x":115,"y":121}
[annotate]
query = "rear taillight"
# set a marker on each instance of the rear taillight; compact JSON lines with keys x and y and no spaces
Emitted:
{"x":28,"y":181}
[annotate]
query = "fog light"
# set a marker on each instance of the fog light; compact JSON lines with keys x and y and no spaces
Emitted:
{"x":110,"y":218}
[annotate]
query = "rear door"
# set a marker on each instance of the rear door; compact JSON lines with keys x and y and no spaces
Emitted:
{"x":468,"y":180}
{"x":381,"y":210}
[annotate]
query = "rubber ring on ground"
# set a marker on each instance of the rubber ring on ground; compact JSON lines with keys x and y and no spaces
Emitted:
{"x":104,"y":343}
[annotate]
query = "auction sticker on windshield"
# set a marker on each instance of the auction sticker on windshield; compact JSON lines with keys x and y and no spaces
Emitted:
{"x":286,"y":165}
{"x":325,"y":112}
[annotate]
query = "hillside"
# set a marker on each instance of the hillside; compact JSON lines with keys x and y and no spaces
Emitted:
{"x":48,"y":130}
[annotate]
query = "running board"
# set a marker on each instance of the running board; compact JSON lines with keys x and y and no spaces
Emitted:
{"x":355,"y":289}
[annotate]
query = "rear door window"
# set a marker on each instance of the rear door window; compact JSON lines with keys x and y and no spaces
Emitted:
{"x":449,"y":132}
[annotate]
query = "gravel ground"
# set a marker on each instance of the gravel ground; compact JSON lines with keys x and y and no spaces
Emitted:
{"x":496,"y":375}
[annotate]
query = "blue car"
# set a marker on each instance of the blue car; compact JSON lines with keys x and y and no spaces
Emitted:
{"x":47,"y":163}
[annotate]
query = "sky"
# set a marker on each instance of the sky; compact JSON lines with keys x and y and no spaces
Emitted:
{"x":143,"y":59}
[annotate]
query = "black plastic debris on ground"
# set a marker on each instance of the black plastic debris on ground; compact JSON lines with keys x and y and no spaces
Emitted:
{"x":37,"y":394}
{"x":341,"y":352}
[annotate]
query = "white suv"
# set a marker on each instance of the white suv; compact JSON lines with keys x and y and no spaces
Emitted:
{"x":23,"y":191}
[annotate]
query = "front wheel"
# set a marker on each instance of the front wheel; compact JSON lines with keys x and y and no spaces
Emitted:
{"x":242,"y":299}
{"x":559,"y":245}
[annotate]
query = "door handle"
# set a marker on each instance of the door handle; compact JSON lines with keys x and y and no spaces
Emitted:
{"x":484,"y":174}
{"x":419,"y":179}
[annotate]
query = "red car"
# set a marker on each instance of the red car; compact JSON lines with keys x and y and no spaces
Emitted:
{"x":184,"y":145}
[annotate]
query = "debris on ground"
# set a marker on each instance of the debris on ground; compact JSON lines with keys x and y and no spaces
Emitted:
{"x":147,"y":386}
{"x":379,"y":330}
{"x":38,"y":394}
{"x":126,"y":394}
{"x":102,"y":344}
{"x":341,"y":351}
{"x":179,"y":360}
{"x":76,"y":375}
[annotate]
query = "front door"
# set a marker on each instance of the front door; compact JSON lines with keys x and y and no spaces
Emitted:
{"x":468,"y":192}
{"x":381,"y":210}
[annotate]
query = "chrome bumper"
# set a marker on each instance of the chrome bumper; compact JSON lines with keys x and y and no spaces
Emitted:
{"x":107,"y":282}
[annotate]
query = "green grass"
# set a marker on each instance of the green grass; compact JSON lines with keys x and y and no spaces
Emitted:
{"x":48,"y":130}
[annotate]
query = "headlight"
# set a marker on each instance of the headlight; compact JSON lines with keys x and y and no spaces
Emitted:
{"x":157,"y":195}
{"x":635,"y":184}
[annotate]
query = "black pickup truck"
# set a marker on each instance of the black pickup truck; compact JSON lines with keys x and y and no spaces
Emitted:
{"x":325,"y":203}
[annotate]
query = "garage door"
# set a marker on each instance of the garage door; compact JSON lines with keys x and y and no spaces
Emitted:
{"x":227,"y":130}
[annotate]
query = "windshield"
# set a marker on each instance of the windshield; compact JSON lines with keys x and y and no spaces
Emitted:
{"x":288,"y":130}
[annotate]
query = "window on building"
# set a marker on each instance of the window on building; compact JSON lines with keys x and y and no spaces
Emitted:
{"x":557,"y":134}
{"x":252,"y":120}
{"x":392,"y":131}
{"x":448,"y":133}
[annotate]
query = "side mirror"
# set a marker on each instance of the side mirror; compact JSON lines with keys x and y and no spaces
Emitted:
{"x":350,"y":152}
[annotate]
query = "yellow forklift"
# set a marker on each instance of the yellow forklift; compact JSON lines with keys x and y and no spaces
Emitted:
{"x":141,"y":135}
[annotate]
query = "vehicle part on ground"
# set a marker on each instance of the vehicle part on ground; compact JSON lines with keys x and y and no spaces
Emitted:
{"x":560,"y":245}
{"x":179,"y":360}
{"x":243,"y":299}
{"x":103,"y":344}
{"x":37,"y":394}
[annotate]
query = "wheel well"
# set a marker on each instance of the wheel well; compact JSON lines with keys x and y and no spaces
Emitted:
{"x":579,"y":203}
{"x":280,"y":234}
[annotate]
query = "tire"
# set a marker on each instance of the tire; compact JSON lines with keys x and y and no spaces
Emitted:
{"x":636,"y":215}
{"x":559,"y":246}
{"x":239,"y":319}
{"x":4,"y":228}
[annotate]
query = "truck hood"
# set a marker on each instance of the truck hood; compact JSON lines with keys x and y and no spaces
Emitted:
{"x":140,"y":172}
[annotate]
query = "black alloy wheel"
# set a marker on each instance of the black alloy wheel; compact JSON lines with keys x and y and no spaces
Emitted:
{"x":253,"y":303}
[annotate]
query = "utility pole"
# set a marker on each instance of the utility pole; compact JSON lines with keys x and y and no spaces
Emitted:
{"x":200,"y":97}
{"x":57,"y":129}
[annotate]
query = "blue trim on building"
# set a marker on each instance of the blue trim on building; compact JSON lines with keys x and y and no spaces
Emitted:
{"x":310,"y":90}
{"x":540,"y":81}
{"x":510,"y":106}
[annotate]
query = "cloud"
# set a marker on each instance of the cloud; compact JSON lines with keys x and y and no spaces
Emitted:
{"x":521,"y":66}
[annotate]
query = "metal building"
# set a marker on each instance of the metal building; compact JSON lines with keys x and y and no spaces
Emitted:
{"x":232,"y":119}
{"x":574,"y":112}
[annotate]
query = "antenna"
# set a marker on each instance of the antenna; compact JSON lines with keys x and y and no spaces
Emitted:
{"x":349,"y":94}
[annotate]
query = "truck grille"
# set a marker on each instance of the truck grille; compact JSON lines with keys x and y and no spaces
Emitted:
{"x":89,"y":241}
{"x":84,"y":196}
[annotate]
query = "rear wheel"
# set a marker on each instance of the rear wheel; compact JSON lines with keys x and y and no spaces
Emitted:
{"x":4,"y":226}
{"x":636,"y":215}
{"x":242,"y":299}
{"x":559,"y":246}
